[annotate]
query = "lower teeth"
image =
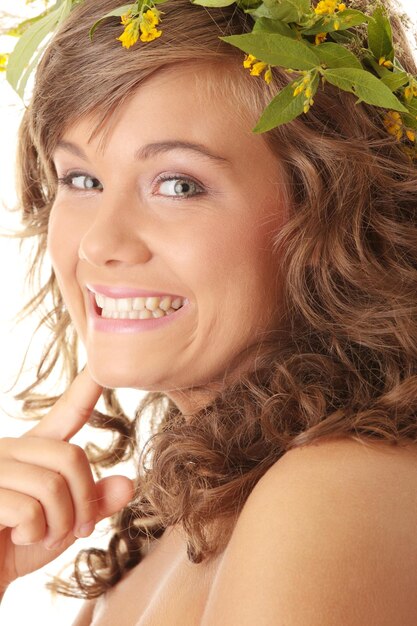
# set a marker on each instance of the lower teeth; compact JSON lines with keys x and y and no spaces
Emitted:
{"x":135,"y":315}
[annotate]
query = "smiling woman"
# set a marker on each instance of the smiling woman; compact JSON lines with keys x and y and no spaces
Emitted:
{"x":260,"y":286}
{"x":129,"y":228}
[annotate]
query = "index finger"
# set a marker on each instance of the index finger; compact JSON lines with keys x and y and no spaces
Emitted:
{"x":71,"y":412}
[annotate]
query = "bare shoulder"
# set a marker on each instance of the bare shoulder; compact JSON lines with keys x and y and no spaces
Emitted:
{"x":327,"y":536}
{"x":85,"y":616}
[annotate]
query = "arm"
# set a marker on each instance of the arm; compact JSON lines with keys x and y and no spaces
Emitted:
{"x":326,"y":537}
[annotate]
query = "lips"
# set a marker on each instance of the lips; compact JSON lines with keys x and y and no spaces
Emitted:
{"x":97,"y":323}
{"x":127,"y":292}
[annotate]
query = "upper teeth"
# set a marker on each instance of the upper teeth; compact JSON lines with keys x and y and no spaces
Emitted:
{"x":138,"y":304}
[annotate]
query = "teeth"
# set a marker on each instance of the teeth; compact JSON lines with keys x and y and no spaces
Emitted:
{"x":177,"y":303}
{"x":165,"y":303}
{"x":100,"y":300}
{"x":134,"y":305}
{"x":123,"y":305}
{"x":152,"y":303}
{"x":138,"y":303}
{"x":144,"y":314}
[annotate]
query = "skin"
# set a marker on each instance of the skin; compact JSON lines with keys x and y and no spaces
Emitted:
{"x":214,"y":248}
{"x":128,"y":230}
{"x":48,"y":496}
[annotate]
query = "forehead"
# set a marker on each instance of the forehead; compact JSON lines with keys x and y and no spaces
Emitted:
{"x":186,"y":103}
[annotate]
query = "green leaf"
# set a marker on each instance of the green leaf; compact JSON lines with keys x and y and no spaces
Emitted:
{"x":265,"y":25}
{"x":346,"y":19}
{"x":27,"y":45}
{"x":380,"y":35}
{"x":213,"y":3}
{"x":260,"y":11}
{"x":19,"y":29}
{"x":412,"y":107}
{"x":65,"y":10}
{"x":276,"y":49}
{"x":334,"y":55}
{"x":345,"y":37}
{"x":410,"y":120}
{"x":115,"y":13}
{"x":283,"y":108}
{"x":248,"y":4}
{"x":367,"y":87}
{"x":288,"y":10}
{"x":28,"y":71}
{"x":394,"y":79}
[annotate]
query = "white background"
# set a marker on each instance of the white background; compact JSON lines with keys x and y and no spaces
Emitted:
{"x":27,"y":601}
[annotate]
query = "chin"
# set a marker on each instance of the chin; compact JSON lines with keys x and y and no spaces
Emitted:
{"x":113,"y":377}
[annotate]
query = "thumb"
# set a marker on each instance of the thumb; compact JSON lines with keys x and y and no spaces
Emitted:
{"x":113,"y":494}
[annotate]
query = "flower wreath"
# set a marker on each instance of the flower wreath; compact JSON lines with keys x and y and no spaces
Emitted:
{"x":315,"y":44}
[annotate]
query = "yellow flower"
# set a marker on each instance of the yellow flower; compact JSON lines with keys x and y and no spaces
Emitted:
{"x":130,"y":35}
{"x":147,"y":26}
{"x":411,"y":135}
{"x":320,"y":37}
{"x":249,"y":60}
{"x":336,"y":25}
{"x":150,"y":35}
{"x":304,"y":85}
{"x":268,"y":75}
{"x":328,"y":7}
{"x":258,"y":68}
{"x":394,"y":124}
{"x":410,"y":91}
{"x":126,"y":18}
{"x":150,"y":18}
{"x":3,"y":62}
{"x":325,"y":7}
{"x":386,"y":62}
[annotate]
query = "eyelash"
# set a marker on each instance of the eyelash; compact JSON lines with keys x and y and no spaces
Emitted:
{"x":67,"y":181}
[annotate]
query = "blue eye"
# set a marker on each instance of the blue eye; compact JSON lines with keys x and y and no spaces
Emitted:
{"x":179,"y":187}
{"x":80,"y":181}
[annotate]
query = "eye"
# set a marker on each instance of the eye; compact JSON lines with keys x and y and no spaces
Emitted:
{"x":80,"y":181}
{"x":178,"y":186}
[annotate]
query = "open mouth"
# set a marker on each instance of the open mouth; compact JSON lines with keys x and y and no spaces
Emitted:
{"x":141,"y":308}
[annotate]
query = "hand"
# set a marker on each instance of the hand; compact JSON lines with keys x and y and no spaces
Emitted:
{"x":48,"y":496}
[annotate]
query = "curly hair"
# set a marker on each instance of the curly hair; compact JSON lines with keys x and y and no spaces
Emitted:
{"x":343,"y":362}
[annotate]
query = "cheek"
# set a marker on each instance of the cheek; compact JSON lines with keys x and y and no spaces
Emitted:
{"x":62,"y":245}
{"x":62,"y":239}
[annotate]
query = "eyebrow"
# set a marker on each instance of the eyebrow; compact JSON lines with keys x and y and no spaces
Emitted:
{"x":152,"y":149}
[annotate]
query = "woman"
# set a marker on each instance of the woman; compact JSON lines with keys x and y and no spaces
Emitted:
{"x":261,"y":287}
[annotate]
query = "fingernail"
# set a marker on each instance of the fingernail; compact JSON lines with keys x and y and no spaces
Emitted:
{"x":85,"y":530}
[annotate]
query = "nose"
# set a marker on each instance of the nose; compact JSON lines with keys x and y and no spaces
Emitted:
{"x":114,"y":237}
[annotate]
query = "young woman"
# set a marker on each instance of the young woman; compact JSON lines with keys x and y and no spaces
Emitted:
{"x":262,"y":288}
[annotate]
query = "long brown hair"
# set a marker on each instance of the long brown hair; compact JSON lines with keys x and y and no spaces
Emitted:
{"x":343,"y":363}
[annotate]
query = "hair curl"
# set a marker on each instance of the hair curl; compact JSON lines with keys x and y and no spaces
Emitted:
{"x":344,"y":362}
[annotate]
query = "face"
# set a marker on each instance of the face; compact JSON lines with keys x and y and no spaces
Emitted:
{"x":141,"y":213}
